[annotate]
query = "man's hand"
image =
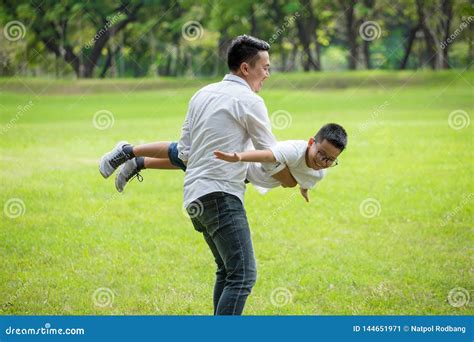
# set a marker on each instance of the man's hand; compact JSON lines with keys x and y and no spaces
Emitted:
{"x":228,"y":157}
{"x":304,"y":193}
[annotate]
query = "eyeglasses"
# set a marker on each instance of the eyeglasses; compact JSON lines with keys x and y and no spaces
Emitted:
{"x":328,"y":162}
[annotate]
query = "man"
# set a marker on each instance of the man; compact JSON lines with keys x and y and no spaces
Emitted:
{"x":228,"y":116}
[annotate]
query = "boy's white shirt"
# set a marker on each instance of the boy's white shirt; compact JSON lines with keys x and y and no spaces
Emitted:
{"x":225,"y":116}
{"x":292,"y":153}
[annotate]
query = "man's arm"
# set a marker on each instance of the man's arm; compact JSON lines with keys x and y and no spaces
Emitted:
{"x":259,"y":128}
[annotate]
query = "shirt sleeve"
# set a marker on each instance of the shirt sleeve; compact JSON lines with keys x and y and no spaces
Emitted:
{"x":286,"y":152}
{"x":259,"y":129}
{"x":184,"y":143}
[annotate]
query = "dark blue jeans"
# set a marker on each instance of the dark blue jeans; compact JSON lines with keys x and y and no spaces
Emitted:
{"x":221,"y":218}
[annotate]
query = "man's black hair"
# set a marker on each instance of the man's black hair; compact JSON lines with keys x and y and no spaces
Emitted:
{"x":334,"y":134}
{"x":245,"y":49}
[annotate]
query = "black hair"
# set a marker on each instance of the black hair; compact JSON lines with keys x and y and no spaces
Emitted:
{"x":245,"y":49}
{"x":334,"y":134}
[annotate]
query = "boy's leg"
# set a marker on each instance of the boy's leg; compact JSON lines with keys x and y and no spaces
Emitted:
{"x":124,"y":152}
{"x":152,"y":150}
{"x":158,"y":155}
{"x":132,"y":167}
{"x":159,"y":164}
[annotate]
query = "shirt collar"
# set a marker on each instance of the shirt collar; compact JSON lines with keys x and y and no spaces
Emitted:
{"x":235,"y":78}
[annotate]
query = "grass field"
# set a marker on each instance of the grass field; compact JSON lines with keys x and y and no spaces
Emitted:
{"x":389,"y":231}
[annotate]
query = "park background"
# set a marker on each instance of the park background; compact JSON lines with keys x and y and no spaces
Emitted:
{"x":389,"y":231}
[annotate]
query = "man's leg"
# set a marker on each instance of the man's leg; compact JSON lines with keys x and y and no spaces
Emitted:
{"x":223,"y":218}
{"x":234,"y":242}
{"x":221,"y":273}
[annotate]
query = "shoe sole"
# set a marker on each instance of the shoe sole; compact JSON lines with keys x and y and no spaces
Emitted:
{"x":101,"y":165}
{"x":116,"y":176}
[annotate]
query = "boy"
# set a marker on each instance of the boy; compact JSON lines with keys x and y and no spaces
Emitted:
{"x":307,"y":161}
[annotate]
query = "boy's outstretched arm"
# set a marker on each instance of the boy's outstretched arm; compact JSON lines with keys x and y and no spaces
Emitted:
{"x":262,"y":156}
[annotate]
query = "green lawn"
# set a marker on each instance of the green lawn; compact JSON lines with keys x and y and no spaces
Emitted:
{"x":78,"y":247}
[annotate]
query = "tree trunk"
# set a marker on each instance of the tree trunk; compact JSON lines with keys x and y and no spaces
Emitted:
{"x":434,"y":56}
{"x":283,"y":57}
{"x":253,"y":22}
{"x":306,"y":25}
{"x":278,"y":20}
{"x":222,"y":47}
{"x":408,"y":49}
{"x":470,"y":49}
{"x":108,"y":62}
{"x":351,"y":35}
{"x":313,"y":26}
{"x":448,"y":15}
{"x":169,"y":60}
{"x":366,"y":49}
{"x":178,"y":60}
{"x":294,"y":53}
{"x":369,"y":4}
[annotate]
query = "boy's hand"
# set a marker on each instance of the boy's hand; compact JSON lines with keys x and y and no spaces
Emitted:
{"x":304,"y":193}
{"x":228,"y":157}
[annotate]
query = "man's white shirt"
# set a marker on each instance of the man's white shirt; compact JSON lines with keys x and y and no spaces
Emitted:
{"x":293,"y":154}
{"x":226,"y":116}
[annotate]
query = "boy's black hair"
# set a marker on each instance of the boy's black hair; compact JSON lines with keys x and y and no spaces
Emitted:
{"x":334,"y":134}
{"x":245,"y":49}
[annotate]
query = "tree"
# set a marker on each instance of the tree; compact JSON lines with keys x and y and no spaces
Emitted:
{"x":55,"y":23}
{"x":307,"y":25}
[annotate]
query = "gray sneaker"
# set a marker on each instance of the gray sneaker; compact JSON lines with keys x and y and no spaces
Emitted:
{"x":127,"y":171}
{"x":112,"y":160}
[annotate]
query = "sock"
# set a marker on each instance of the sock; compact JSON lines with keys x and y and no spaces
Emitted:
{"x":140,"y":163}
{"x":128,"y":150}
